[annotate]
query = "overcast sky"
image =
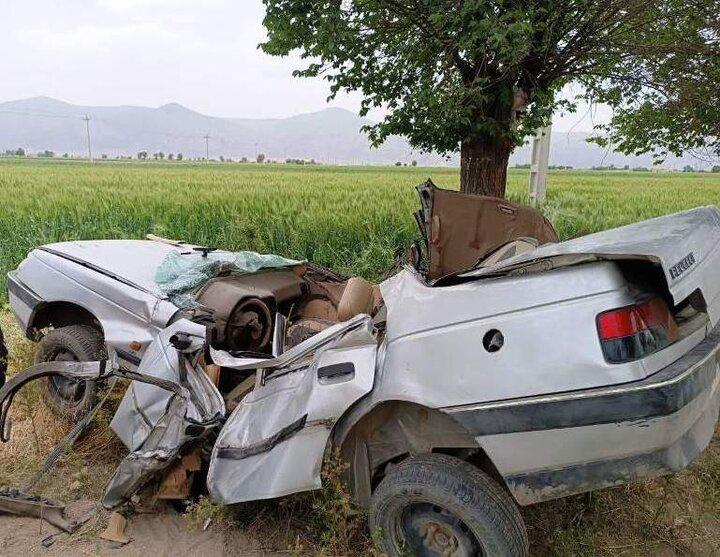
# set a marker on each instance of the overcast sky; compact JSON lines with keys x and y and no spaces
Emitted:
{"x":201,"y":54}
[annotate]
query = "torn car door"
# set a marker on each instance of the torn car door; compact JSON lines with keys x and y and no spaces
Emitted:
{"x":155,"y":423}
{"x":274,"y":441}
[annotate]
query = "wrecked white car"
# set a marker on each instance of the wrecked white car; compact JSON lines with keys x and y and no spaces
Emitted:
{"x":499,"y":367}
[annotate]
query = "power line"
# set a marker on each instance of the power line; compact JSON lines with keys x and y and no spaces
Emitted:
{"x":87,"y":129}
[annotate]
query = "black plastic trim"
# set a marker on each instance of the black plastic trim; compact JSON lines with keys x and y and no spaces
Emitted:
{"x":21,"y":291}
{"x":335,"y":371}
{"x":128,"y":357}
{"x":240,"y":453}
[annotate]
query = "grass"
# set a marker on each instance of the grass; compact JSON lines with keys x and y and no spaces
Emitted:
{"x":83,"y":471}
{"x":325,"y":522}
{"x":354,"y":220}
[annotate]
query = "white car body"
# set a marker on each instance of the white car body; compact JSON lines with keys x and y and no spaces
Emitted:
{"x":109,"y":281}
{"x":546,"y":411}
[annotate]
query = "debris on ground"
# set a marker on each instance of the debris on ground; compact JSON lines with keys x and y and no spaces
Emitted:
{"x":115,"y":531}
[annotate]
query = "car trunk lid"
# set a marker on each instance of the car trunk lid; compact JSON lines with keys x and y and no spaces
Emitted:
{"x":685,"y":245}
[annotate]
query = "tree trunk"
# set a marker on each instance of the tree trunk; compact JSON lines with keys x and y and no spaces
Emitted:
{"x":483,"y":167}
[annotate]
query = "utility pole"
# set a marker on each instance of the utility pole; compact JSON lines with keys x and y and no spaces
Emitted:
{"x":539,"y":165}
{"x":206,"y":137}
{"x":87,"y":129}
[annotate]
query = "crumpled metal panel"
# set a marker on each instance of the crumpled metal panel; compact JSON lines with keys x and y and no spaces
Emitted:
{"x":686,"y":245}
{"x":144,"y":405}
{"x":125,"y":312}
{"x":170,"y":432}
{"x":157,"y":452}
{"x":274,"y":442}
{"x":156,"y":424}
{"x":16,"y":502}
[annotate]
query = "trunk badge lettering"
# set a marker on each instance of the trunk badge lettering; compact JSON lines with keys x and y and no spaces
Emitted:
{"x":681,"y":266}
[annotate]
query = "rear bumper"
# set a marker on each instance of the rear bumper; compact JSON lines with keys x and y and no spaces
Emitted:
{"x":23,"y":301}
{"x":553,"y":446}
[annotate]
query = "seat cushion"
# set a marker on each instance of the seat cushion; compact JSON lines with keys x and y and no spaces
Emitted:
{"x":465,"y":228}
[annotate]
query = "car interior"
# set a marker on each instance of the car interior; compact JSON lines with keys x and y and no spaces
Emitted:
{"x":261,"y":315}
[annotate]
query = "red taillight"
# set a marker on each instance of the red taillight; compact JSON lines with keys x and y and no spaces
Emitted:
{"x":631,"y":320}
{"x":619,"y":323}
{"x":636,"y":331}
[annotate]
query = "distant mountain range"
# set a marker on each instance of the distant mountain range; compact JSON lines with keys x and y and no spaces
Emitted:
{"x":332,"y":135}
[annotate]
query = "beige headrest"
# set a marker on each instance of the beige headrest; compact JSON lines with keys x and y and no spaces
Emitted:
{"x":511,"y":249}
{"x":358,"y":297}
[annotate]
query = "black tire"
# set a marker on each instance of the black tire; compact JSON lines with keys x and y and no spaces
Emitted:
{"x":436,"y":504}
{"x":81,"y":343}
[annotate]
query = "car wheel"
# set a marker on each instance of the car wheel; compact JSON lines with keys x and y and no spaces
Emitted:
{"x":76,"y":343}
{"x":438,"y":505}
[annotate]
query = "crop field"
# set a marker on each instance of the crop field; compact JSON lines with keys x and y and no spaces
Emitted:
{"x":355,"y":220}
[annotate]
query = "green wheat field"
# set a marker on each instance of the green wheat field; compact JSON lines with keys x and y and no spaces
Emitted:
{"x":353,"y":219}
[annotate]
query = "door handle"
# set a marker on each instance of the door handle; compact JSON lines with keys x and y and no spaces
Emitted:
{"x":336,"y":373}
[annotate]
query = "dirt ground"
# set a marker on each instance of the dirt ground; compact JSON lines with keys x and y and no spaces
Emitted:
{"x":673,"y":516}
{"x":157,"y":535}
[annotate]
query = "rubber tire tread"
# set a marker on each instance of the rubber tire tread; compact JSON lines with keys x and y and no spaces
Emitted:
{"x":457,"y":486}
{"x":88,"y":345}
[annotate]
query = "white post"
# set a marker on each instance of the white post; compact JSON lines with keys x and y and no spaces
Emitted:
{"x":539,"y":165}
{"x":87,"y":129}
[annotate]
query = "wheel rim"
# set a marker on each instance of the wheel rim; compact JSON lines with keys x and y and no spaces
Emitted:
{"x":71,"y":391}
{"x":427,"y":530}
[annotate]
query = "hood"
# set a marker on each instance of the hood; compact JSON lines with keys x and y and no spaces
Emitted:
{"x":133,"y":261}
{"x":686,"y":245}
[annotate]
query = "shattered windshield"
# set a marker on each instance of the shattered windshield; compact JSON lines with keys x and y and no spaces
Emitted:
{"x":180,"y":274}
